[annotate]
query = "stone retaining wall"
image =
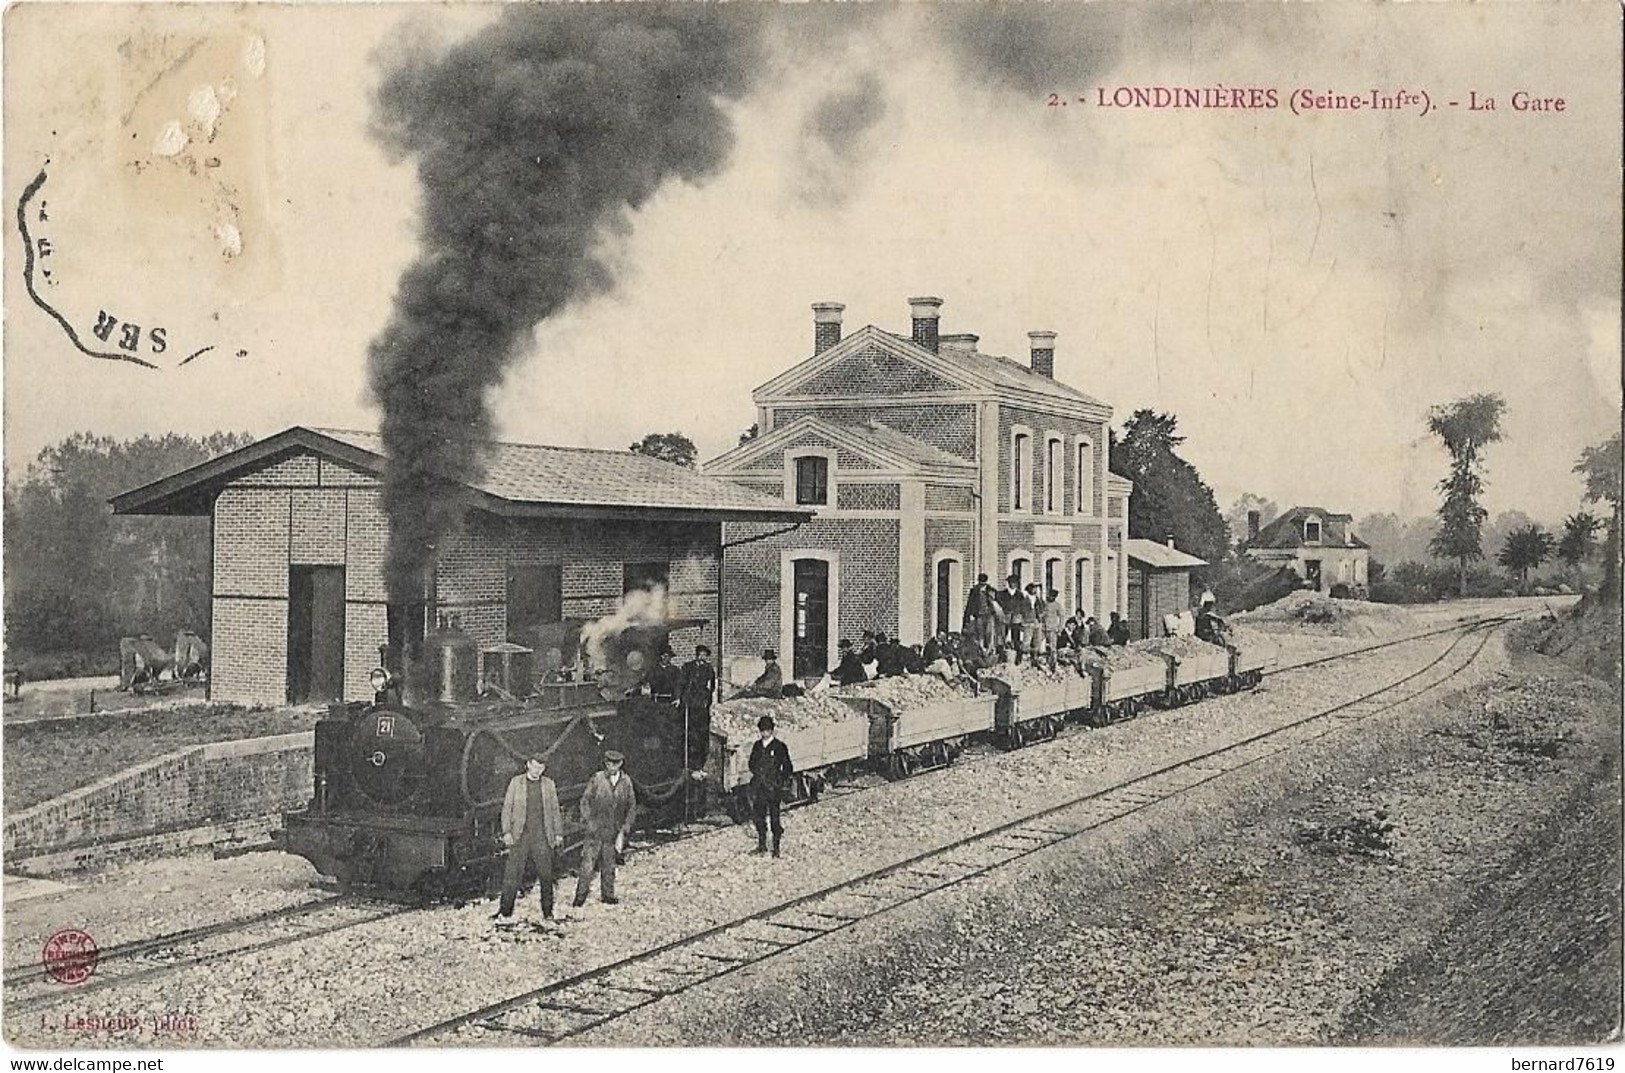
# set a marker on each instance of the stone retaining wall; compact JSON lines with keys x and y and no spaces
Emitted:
{"x":191,"y":798}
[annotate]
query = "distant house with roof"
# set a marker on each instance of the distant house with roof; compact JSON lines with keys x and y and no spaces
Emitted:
{"x":299,"y":607}
{"x":928,"y":462}
{"x":1318,"y":545}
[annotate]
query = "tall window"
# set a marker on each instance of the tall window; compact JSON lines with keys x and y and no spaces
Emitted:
{"x":1021,"y":469}
{"x":1054,"y":577}
{"x":1311,"y":531}
{"x":1052,"y":475}
{"x":1083,"y":585}
{"x":1023,"y":569}
{"x":1086,"y":476}
{"x":812,"y":481}
{"x":950,"y":580}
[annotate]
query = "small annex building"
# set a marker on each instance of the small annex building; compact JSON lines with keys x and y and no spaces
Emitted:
{"x":1159,"y":583}
{"x":299,"y":608}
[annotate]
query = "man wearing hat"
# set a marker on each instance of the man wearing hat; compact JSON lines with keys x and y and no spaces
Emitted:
{"x":533,"y":830}
{"x":770,"y":772}
{"x":608,"y":806}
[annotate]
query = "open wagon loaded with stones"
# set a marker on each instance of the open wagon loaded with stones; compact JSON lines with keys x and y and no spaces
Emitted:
{"x":1033,"y":703}
{"x":826,"y":738}
{"x":918,"y":722}
{"x":1166,"y":672}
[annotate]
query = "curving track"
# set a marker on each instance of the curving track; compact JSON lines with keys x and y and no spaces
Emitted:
{"x":570,"y":1007}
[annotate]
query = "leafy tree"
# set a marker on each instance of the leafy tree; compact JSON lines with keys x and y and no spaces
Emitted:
{"x":1394,"y":539}
{"x":1525,"y":549}
{"x":1236,"y":516}
{"x":749,"y":434}
{"x":1169,"y":496}
{"x":1579,"y":534}
{"x":1603,"y":467}
{"x":78,"y":578}
{"x":668,"y":446}
{"x":1465,"y":427}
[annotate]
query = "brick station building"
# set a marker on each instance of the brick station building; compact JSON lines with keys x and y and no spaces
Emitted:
{"x":299,"y":607}
{"x":928,"y":462}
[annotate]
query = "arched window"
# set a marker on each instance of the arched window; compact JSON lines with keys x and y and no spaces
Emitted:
{"x":948,"y":592}
{"x":1086,"y":476}
{"x":1021,"y":565}
{"x":1053,"y":488}
{"x":1054,"y":576}
{"x":1021,"y":469}
{"x":1083,"y":584}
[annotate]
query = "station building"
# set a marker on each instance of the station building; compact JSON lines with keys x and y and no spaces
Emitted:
{"x":928,"y":462}
{"x":551,"y":534}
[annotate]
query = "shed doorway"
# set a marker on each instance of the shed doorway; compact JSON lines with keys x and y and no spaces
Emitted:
{"x":315,"y":633}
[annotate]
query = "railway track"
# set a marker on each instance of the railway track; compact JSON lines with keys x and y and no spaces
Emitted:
{"x":567,"y":1008}
{"x":27,"y":986}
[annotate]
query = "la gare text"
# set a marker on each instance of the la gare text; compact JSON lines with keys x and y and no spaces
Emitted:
{"x":1303,"y":100}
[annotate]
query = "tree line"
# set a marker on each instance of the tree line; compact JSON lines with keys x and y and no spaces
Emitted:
{"x":77,"y":577}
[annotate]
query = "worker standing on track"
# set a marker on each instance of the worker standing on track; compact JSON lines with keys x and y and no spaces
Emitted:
{"x":608,"y":806}
{"x":770,"y":772}
{"x":533,"y":830}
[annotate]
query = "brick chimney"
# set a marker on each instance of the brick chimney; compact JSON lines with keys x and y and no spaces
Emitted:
{"x":927,"y":312}
{"x":1043,"y":344}
{"x":1253,"y":518}
{"x":826,"y":325}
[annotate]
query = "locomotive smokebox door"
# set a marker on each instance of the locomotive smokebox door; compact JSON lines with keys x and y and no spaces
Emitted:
{"x":387,"y":756}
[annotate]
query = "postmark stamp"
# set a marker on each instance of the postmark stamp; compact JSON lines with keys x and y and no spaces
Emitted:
{"x":70,"y":956}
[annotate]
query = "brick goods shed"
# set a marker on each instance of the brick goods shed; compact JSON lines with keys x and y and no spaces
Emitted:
{"x":551,"y":534}
{"x":1159,"y":583}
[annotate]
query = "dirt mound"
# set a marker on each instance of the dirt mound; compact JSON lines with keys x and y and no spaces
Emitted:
{"x":1587,"y":638}
{"x":1315,"y":612}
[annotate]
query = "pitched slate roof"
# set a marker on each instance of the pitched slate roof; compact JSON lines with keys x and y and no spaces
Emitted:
{"x":901,"y":443}
{"x":1286,"y":531}
{"x":517,"y":475}
{"x":1001,"y":370}
{"x":1160,"y":556}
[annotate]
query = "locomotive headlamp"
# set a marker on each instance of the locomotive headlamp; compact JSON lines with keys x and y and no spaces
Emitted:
{"x":379,"y":679}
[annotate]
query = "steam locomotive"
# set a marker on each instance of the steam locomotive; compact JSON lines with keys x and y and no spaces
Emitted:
{"x":408,"y":789}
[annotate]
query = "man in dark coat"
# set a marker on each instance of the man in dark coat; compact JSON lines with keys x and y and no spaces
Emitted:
{"x":891,"y":655}
{"x":770,"y":683}
{"x":698,"y":689}
{"x":665,"y":681}
{"x":1117,"y":632}
{"x":608,"y":806}
{"x":982,"y":613}
{"x":533,"y":830}
{"x":849,"y":670}
{"x":770,"y":773}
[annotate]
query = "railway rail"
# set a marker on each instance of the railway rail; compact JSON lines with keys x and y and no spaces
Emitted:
{"x":27,"y":986}
{"x":567,"y":1008}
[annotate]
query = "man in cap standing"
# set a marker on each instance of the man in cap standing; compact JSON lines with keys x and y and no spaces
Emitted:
{"x":770,"y":772}
{"x":608,"y":806}
{"x":533,"y":830}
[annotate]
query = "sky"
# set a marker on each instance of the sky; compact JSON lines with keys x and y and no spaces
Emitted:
{"x":1298,"y":289}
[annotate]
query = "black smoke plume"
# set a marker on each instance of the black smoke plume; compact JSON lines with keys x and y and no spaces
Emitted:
{"x":533,"y":139}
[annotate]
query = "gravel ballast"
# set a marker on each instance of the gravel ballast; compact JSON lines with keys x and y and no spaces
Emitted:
{"x":375,"y":982}
{"x":1449,"y":877}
